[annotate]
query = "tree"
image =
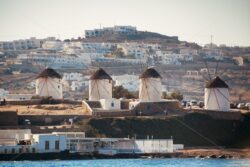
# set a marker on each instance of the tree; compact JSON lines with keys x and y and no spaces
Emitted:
{"x":177,"y":95}
{"x":119,"y":53}
{"x":174,"y":95}
{"x":121,"y":92}
{"x":66,"y":40}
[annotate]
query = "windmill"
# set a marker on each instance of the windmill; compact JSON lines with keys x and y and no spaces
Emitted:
{"x":150,"y":86}
{"x":216,"y":95}
{"x":49,"y":83}
{"x":100,"y":86}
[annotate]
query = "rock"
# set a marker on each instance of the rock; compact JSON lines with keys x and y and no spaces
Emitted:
{"x":223,"y":156}
{"x":213,"y":156}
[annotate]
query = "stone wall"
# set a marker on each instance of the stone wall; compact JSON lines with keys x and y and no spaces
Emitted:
{"x":153,"y":108}
{"x":50,"y":119}
{"x":8,"y":118}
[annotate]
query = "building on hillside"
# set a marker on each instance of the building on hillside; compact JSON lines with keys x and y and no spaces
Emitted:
{"x":24,"y":44}
{"x":53,"y":45}
{"x":128,"y":81}
{"x":124,"y":30}
{"x":3,"y":93}
{"x":55,"y":60}
{"x":73,"y":76}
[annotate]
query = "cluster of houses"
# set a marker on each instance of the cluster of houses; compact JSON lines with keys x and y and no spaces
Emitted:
{"x":79,"y":55}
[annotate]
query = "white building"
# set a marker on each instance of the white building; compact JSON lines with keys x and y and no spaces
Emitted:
{"x":73,"y":76}
{"x":128,"y":81}
{"x":3,"y":93}
{"x":110,"y":30}
{"x":100,"y":86}
{"x":23,"y":141}
{"x":76,"y":141}
{"x":150,"y":86}
{"x":154,"y":146}
{"x":48,"y":143}
{"x":111,"y":104}
{"x":53,"y":45}
{"x":48,"y":83}
{"x":114,"y":146}
{"x":24,"y":44}
{"x":19,"y":97}
{"x":217,"y":95}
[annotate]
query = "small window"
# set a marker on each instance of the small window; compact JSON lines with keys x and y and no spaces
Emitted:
{"x":58,"y":86}
{"x":5,"y":151}
{"x":46,"y":145}
{"x":13,"y":151}
{"x":33,"y":150}
{"x":57,"y":145}
{"x":112,"y":104}
{"x":27,"y":150}
{"x":20,"y":150}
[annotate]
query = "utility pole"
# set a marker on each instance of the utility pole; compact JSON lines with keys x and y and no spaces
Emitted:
{"x":211,"y":41}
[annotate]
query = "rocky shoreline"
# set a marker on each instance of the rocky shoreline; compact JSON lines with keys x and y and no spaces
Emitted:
{"x":186,"y":153}
{"x":215,"y":153}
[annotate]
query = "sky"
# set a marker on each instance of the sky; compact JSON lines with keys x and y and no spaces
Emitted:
{"x":191,"y":20}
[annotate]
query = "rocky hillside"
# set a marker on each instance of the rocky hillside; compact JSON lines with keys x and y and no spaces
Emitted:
{"x":190,"y":130}
{"x":141,"y":36}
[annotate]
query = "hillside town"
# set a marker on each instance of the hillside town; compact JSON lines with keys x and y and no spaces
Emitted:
{"x":59,"y":96}
{"x":76,"y":58}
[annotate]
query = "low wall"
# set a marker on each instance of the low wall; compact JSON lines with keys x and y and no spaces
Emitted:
{"x":226,"y":115}
{"x":120,"y":113}
{"x":39,"y":101}
{"x":44,"y":129}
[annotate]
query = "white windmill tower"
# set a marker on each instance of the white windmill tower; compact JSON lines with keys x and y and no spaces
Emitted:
{"x":100,"y":86}
{"x":49,"y":83}
{"x":150,"y":86}
{"x":217,"y":95}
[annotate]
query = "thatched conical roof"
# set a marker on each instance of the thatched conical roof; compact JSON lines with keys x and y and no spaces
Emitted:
{"x":100,"y":74}
{"x":150,"y":73}
{"x":217,"y":83}
{"x":49,"y":73}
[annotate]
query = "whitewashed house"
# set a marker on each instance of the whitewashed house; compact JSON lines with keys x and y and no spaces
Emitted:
{"x":128,"y":81}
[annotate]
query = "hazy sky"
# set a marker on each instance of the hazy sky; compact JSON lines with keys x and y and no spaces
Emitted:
{"x":192,"y":20}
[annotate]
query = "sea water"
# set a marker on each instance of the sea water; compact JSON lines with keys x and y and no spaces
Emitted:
{"x":173,"y":162}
